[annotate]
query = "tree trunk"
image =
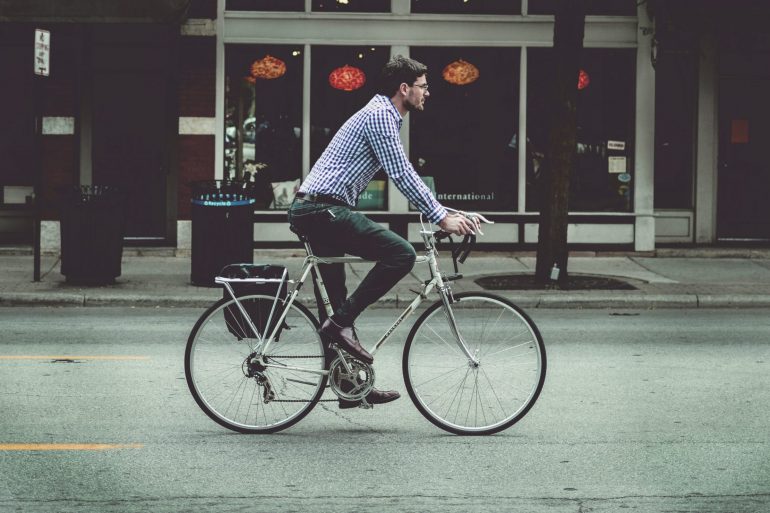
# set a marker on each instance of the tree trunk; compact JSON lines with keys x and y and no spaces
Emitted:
{"x":562,"y":142}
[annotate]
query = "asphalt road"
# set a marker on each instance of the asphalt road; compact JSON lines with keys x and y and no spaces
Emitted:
{"x":642,"y":411}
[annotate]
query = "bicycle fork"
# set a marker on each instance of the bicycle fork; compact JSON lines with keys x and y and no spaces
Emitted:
{"x":447,"y":299}
{"x":445,"y":291}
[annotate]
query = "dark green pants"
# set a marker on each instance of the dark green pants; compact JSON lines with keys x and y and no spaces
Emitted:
{"x":333,"y":230}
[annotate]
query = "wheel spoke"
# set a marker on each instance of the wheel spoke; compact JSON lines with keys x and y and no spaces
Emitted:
{"x":447,"y":390}
{"x":454,"y":348}
{"x":439,"y":376}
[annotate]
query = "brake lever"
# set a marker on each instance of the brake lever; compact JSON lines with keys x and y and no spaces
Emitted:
{"x":482,"y":218}
{"x":475,"y":215}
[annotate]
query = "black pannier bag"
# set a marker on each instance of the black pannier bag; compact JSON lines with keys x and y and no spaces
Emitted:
{"x":258,"y":310}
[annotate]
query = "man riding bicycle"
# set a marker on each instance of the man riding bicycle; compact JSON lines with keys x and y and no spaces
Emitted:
{"x":322,"y":209}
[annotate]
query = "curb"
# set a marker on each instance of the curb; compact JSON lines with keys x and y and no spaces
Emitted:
{"x":145,"y":301}
{"x":733,"y":301}
{"x":38,"y":299}
{"x":647,"y":302}
{"x":526,"y":301}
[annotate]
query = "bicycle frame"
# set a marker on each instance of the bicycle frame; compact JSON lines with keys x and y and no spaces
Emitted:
{"x":311,"y":264}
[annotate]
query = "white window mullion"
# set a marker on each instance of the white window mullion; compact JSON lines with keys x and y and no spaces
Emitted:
{"x":306,"y":111}
{"x":400,"y":6}
{"x":396,"y":201}
{"x":522,"y":137}
{"x":219,"y":94}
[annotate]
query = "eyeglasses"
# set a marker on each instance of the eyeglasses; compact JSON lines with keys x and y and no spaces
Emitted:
{"x":424,"y":87}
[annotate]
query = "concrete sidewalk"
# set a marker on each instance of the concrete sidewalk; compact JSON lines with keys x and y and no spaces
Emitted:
{"x":676,"y":278}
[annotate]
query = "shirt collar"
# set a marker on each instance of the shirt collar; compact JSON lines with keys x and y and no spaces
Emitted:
{"x":387,"y":102}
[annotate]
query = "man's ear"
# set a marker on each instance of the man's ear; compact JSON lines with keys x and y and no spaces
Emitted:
{"x":403,"y":88}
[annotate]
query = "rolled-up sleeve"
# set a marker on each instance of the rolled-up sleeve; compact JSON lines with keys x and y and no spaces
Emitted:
{"x":382,"y":132}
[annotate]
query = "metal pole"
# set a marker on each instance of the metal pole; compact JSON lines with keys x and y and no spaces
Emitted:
{"x":41,"y":69}
{"x":38,"y":170}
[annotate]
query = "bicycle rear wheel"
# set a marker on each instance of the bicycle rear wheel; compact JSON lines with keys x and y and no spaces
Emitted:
{"x":467,"y":399}
{"x":233,"y":388}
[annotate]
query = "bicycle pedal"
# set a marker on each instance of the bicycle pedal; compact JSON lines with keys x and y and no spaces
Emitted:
{"x":337,"y":349}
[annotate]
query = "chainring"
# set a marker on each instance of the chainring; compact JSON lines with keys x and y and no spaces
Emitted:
{"x":353,"y":385}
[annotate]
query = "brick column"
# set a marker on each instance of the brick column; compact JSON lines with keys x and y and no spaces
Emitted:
{"x":197,"y":101}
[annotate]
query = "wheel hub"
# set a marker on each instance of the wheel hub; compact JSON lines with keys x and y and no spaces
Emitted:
{"x":252,"y":366}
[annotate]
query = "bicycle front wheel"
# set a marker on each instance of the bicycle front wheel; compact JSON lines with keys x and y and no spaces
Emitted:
{"x":230,"y":383}
{"x":468,"y":398}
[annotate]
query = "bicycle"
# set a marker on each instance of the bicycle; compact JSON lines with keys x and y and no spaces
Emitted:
{"x":473,"y":363}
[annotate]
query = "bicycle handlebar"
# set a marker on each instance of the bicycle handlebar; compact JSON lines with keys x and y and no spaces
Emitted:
{"x":461,"y":253}
{"x":473,"y":216}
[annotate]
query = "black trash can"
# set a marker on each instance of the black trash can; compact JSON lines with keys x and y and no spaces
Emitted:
{"x":222,"y":227}
{"x":92,"y":226}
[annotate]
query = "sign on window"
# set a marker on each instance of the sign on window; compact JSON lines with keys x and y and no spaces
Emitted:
{"x":42,"y":52}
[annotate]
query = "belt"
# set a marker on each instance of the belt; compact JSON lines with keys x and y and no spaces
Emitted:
{"x":321,"y":198}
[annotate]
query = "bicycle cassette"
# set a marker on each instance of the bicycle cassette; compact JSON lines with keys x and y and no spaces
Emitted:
{"x":353,"y":382}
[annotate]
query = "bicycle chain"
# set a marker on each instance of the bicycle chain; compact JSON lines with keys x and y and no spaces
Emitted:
{"x":299,"y":400}
{"x":287,"y":356}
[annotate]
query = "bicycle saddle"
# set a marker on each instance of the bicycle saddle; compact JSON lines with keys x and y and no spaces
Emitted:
{"x":301,"y":237}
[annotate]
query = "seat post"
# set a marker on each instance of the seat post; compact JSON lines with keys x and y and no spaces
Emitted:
{"x":303,"y":240}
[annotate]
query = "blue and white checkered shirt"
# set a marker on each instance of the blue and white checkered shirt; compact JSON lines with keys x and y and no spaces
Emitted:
{"x":366,"y":143}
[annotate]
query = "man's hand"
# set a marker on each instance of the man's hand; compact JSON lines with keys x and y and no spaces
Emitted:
{"x":458,"y":224}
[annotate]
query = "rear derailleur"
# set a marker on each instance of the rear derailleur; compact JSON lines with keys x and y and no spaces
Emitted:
{"x":254,"y":368}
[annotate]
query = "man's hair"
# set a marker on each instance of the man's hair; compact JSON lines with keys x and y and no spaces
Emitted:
{"x":400,"y":70}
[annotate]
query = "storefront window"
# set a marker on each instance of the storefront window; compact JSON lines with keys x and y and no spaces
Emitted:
{"x":602,"y":178}
{"x":467,"y":6}
{"x":593,"y":7}
{"x":675,"y":104}
{"x":265,"y":5}
{"x":463,"y":142}
{"x":351,"y":5}
{"x":263,"y":119}
{"x":343,"y":80}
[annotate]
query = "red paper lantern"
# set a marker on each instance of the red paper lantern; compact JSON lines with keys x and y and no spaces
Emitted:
{"x":268,"y":68}
{"x":460,"y":73}
{"x":583,"y":80}
{"x":347,"y":78}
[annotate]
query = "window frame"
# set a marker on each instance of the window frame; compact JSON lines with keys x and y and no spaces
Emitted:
{"x":397,"y":30}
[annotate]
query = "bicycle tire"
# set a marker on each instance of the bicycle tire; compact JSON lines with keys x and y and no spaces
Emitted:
{"x":453,"y":399}
{"x":216,"y":373}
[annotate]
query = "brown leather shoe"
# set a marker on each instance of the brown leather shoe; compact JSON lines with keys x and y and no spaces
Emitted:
{"x":373,"y":397}
{"x":347,"y":339}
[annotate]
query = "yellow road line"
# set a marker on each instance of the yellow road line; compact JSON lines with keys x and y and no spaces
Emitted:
{"x":67,"y":447}
{"x":71,"y":357}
